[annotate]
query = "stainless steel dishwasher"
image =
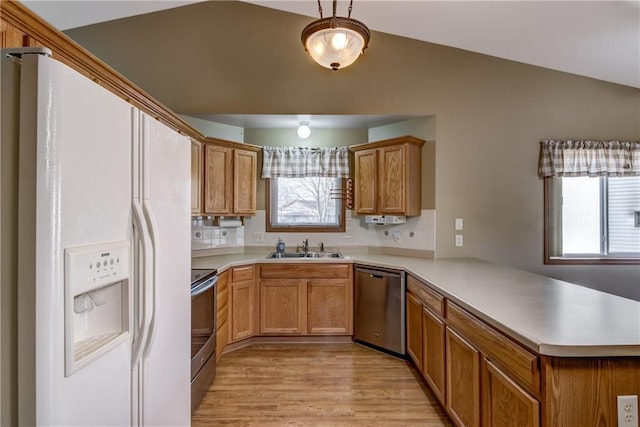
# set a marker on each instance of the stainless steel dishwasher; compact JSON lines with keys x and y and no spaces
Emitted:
{"x":380,"y":308}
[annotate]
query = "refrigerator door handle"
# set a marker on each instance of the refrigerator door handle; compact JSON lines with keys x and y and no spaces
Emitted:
{"x":153,"y":229}
{"x":147,"y":273}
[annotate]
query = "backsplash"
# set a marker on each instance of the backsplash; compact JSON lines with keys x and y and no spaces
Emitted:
{"x":205,"y":235}
{"x":418,"y":233}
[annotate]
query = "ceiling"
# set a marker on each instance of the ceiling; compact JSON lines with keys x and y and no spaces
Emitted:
{"x":598,"y":39}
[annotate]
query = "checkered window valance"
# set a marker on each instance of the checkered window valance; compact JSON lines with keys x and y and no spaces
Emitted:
{"x":589,"y":158}
{"x":296,"y":162}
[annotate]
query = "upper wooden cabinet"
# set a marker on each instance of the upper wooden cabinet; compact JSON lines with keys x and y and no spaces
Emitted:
{"x":196,"y":177}
{"x":10,"y":36}
{"x":229,"y":178}
{"x":388,"y":176}
{"x":244,"y":181}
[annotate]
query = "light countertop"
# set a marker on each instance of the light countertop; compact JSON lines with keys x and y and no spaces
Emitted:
{"x":549,"y":316}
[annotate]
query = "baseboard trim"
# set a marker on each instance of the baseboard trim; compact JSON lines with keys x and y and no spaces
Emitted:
{"x":334,"y":339}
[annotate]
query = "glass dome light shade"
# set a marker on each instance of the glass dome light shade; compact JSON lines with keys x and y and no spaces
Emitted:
{"x":304,"y":131}
{"x":335,"y":42}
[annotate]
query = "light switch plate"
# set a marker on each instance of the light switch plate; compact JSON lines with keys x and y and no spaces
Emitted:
{"x":459,"y":240}
{"x":459,"y":224}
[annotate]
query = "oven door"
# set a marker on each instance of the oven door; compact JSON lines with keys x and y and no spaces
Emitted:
{"x":203,"y":324}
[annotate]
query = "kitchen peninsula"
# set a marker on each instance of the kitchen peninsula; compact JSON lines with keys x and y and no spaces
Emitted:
{"x":542,"y":345}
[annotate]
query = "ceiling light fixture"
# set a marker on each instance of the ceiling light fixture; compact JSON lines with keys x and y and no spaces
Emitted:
{"x":335,"y":42}
{"x":304,"y":131}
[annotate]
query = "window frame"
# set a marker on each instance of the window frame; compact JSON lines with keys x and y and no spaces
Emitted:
{"x":341,"y":228}
{"x":553,"y":232}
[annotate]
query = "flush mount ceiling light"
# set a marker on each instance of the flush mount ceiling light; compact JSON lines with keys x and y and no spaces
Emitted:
{"x":335,"y":42}
{"x":304,"y":131}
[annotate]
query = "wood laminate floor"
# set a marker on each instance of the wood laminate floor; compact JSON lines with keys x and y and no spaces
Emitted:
{"x":329,"y":385}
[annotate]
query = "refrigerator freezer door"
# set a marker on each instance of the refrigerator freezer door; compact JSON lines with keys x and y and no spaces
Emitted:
{"x":75,"y":190}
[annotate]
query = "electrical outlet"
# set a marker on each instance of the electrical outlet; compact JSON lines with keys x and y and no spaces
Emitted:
{"x":459,"y":240}
{"x":258,"y":236}
{"x":628,"y":411}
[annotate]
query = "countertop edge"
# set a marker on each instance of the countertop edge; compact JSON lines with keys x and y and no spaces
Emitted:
{"x":541,"y":348}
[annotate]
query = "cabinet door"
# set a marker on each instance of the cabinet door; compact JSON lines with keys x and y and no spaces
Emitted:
{"x":10,"y":36}
{"x":222,"y":326}
{"x":196,"y":177}
{"x":414,"y":330}
{"x":242,"y":305}
{"x":218,"y":180}
{"x":433,"y":343}
{"x":366,"y":181}
{"x":244,"y":182}
{"x":329,"y":306}
{"x":504,"y":402}
{"x":392,"y":185}
{"x":463,"y":381}
{"x":283,"y":306}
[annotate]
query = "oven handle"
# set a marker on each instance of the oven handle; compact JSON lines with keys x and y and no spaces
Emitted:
{"x":204,"y":286}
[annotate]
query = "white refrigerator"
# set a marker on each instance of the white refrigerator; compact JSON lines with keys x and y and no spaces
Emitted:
{"x":95,"y":254}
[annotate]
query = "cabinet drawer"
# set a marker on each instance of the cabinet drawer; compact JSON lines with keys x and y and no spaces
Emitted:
{"x":522,"y":364}
{"x":238,"y":274}
{"x":428,"y":297}
{"x":307,"y":271}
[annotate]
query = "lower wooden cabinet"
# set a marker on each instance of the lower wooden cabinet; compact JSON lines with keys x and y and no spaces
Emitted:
{"x":426,"y":335}
{"x":463,"y":381}
{"x":306,"y":299}
{"x":222,"y":325}
{"x":283,"y":306}
{"x":329,"y":306}
{"x":433,"y":353}
{"x":242,"y":303}
{"x":505,"y":403}
{"x":481,"y":377}
{"x":414,"y":330}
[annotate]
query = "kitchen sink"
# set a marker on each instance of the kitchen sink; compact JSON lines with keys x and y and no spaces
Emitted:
{"x":289,"y":255}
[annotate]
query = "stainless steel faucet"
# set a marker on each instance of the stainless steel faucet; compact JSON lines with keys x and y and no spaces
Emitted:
{"x":305,"y":245}
{"x":321,"y":247}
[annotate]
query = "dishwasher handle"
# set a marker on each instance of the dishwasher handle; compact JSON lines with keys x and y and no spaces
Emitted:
{"x":378,"y":274}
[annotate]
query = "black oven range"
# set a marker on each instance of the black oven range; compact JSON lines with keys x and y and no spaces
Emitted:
{"x":203,"y":332}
